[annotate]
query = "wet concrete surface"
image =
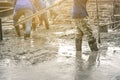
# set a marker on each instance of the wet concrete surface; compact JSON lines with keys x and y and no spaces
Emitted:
{"x":50,"y":55}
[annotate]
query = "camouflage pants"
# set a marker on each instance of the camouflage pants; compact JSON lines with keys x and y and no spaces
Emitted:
{"x":83,"y":28}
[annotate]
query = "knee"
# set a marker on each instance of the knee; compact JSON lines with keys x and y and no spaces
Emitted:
{"x":92,"y":39}
{"x":78,"y":36}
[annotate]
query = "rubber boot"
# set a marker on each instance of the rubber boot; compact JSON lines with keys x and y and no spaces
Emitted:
{"x":92,"y":44}
{"x":17,"y":30}
{"x":78,"y":43}
{"x":26,"y":36}
{"x":33,"y":24}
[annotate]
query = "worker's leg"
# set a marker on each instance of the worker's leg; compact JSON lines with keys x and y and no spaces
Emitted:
{"x":78,"y":35}
{"x":16,"y":17}
{"x":88,"y":31}
{"x":45,"y":19}
{"x":78,"y":38}
{"x":28,"y":23}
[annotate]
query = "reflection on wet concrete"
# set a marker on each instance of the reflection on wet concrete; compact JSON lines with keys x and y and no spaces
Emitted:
{"x":97,"y":66}
{"x":116,"y":77}
{"x":111,"y":50}
{"x":31,"y":50}
{"x":66,"y":49}
{"x":66,"y":64}
{"x":84,"y":68}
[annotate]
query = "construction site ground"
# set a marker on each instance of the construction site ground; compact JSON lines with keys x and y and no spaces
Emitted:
{"x":51,"y":55}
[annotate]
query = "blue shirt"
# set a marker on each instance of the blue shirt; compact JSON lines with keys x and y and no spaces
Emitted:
{"x":79,"y":9}
{"x":23,"y":4}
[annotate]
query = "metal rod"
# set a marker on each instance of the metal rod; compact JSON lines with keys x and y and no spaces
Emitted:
{"x":6,"y":10}
{"x":1,"y":36}
{"x":111,"y":23}
{"x":99,"y":41}
{"x":98,"y":25}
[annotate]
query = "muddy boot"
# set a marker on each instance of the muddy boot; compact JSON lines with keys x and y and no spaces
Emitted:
{"x":34,"y":26}
{"x":46,"y":25}
{"x":26,"y":36}
{"x":92,"y":44}
{"x":17,"y":30}
{"x":78,"y":43}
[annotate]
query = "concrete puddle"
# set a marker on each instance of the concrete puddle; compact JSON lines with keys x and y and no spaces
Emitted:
{"x":66,"y":50}
{"x":65,"y":65}
{"x":116,"y":78}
